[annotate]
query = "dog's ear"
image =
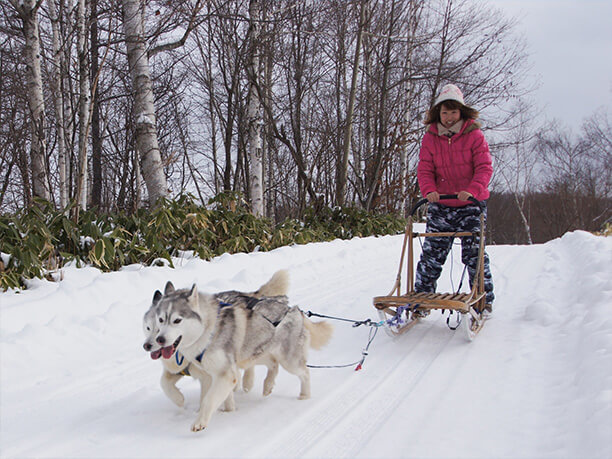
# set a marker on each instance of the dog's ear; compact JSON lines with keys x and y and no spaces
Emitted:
{"x":157,"y":296}
{"x":193,"y":295}
{"x":169,"y":288}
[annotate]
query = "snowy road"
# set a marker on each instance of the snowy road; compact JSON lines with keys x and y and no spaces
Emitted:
{"x":536,"y":382}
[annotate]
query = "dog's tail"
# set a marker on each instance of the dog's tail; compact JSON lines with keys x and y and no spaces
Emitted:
{"x":320,"y":332}
{"x":278,"y":285}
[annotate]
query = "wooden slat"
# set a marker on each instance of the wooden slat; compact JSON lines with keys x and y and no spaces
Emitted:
{"x":460,"y":296}
{"x":461,"y":234}
{"x":383,"y":303}
{"x":459,"y":302}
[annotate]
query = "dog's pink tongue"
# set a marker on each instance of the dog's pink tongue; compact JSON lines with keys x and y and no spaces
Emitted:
{"x":167,"y":352}
{"x":156,"y":354}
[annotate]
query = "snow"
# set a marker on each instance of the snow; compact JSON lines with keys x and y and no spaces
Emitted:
{"x":536,"y":381}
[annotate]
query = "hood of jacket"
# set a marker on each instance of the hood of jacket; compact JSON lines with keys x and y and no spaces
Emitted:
{"x":468,"y":126}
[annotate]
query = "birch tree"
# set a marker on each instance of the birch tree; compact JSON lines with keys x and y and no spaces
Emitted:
{"x":254,"y":112}
{"x":144,"y":103}
{"x":517,"y":167}
{"x":414,"y":13}
{"x":56,"y":84}
{"x":343,"y":162}
{"x":28,"y":13}
{"x":84,"y":103}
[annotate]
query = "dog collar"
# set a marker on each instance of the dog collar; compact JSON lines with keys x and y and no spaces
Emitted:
{"x":184,"y":372}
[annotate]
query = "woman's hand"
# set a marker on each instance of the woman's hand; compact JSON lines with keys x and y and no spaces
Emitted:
{"x":434,"y":196}
{"x":464,"y":195}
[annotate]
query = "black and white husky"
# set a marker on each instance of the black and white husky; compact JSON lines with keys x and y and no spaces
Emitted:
{"x":174,"y":368}
{"x":219,"y":334}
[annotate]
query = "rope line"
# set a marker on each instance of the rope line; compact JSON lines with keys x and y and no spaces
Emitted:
{"x":364,"y":353}
{"x":356,"y":323}
{"x":374,"y":326}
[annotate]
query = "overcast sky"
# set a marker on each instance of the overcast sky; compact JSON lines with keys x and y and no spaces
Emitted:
{"x":570,"y":47}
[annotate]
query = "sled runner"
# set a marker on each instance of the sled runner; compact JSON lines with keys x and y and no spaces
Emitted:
{"x":401,"y":311}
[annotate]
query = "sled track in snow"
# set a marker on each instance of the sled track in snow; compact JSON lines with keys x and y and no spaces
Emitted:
{"x":376,"y":396}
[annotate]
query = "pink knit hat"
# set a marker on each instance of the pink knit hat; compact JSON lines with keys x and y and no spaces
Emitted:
{"x":450,"y":92}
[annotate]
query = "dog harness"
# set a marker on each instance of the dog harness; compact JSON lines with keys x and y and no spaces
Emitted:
{"x":250,"y":305}
{"x":184,"y":371}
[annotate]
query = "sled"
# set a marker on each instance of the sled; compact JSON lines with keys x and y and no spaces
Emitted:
{"x":400,"y":311}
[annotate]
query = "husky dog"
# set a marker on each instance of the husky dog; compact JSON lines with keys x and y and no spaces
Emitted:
{"x":177,"y":367}
{"x":219,"y":337}
{"x":173,"y":369}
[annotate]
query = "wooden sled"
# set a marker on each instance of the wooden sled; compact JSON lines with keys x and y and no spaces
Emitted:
{"x":400,"y":311}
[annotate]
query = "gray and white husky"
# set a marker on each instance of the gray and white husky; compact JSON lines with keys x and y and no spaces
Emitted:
{"x":219,"y":334}
{"x":174,"y":368}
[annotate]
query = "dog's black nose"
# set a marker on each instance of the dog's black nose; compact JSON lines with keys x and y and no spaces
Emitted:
{"x":147,"y":346}
{"x":161,"y":340}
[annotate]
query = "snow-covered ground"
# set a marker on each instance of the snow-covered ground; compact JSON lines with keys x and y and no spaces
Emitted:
{"x":536,"y":382}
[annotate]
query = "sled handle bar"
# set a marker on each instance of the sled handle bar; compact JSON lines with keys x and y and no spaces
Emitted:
{"x":447,"y":196}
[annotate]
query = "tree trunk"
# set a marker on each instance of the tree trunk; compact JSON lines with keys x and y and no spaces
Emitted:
{"x":84,"y":101}
{"x":443,"y":49}
{"x":58,"y":67}
{"x":96,"y":141}
{"x":212,"y":109}
{"x":375,"y":168}
{"x":144,"y":106}
{"x":28,"y":12}
{"x":413,"y":21}
{"x":229,"y":131}
{"x":520,"y":204}
{"x":268,"y":143}
{"x":342,"y":173}
{"x":254,"y":113}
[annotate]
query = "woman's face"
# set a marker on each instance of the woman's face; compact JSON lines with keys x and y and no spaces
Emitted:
{"x":448,"y":116}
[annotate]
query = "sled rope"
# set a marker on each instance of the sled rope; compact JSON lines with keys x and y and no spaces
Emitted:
{"x":374,"y":326}
{"x":356,"y":323}
{"x":364,"y":354}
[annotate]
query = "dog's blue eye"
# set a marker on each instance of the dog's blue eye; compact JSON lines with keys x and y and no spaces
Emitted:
{"x":178,"y":321}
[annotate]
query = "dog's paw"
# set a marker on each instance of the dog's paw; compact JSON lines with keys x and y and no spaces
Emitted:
{"x":248,"y":379}
{"x":304,"y":397}
{"x":197,"y":426}
{"x":267,"y":389}
{"x":268,"y":385}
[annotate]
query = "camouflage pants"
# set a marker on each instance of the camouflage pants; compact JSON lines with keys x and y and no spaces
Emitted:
{"x":435,"y":249}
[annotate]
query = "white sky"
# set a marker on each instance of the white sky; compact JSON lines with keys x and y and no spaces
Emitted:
{"x":570,"y":46}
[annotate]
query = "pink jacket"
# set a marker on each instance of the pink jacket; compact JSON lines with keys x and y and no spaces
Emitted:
{"x":459,"y":163}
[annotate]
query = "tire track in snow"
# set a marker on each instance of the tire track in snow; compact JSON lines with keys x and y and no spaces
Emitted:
{"x":373,"y":395}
